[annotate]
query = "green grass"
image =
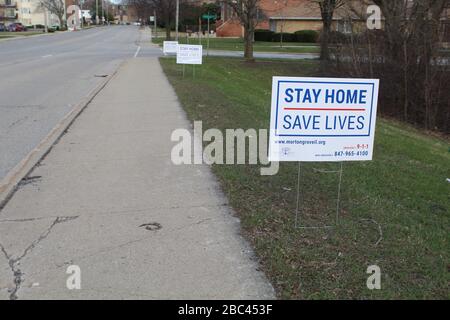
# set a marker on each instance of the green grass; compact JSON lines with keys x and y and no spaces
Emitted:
{"x":403,"y":191}
{"x":236,"y":44}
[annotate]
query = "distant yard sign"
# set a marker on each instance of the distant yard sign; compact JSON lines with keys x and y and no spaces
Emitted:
{"x":170,"y":47}
{"x":189,"y":54}
{"x":322,"y":119}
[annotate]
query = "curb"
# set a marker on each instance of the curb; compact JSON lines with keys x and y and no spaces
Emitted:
{"x":39,"y":35}
{"x":25,"y":37}
{"x":9,"y":184}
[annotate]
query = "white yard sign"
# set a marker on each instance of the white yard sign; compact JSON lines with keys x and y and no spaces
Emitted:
{"x":170,"y":47}
{"x":189,"y":54}
{"x":322,"y":119}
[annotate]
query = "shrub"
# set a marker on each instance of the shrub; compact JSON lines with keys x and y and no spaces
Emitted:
{"x":287,"y":37}
{"x":377,"y":36}
{"x":310,"y":36}
{"x":336,"y":37}
{"x":263,"y":35}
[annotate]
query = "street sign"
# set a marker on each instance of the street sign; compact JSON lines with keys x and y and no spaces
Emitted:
{"x":322,"y":119}
{"x":189,"y":54}
{"x":152,"y":18}
{"x":170,"y":47}
{"x":209,"y":16}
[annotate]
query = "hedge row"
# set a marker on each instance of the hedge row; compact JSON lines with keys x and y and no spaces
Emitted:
{"x":298,"y":36}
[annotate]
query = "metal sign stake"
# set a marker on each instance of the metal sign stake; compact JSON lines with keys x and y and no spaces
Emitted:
{"x":298,"y":194}
{"x":299,"y":202}
{"x":339,"y":195}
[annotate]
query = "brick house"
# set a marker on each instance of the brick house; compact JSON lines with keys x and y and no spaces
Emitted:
{"x":284,"y":16}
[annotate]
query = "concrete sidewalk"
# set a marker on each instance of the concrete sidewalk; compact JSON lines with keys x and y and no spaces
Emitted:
{"x":263,"y":55}
{"x":108,"y":199}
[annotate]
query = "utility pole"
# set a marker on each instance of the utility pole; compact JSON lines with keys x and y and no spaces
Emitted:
{"x":81,"y":8}
{"x":45,"y":20}
{"x":176,"y":19}
{"x":96,"y":12}
{"x":154,"y":21}
{"x":103,"y":15}
{"x":65,"y":16}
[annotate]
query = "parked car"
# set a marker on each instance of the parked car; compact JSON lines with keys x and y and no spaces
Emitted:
{"x":2,"y":27}
{"x":16,"y":27}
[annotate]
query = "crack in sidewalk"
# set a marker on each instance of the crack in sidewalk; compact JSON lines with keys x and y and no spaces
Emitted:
{"x":14,"y":262}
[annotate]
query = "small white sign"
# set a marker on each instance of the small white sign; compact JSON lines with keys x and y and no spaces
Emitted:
{"x":170,"y":47}
{"x":322,"y":119}
{"x":189,"y":54}
{"x":152,"y":18}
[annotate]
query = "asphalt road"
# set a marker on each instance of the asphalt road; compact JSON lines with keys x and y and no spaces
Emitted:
{"x":43,"y":78}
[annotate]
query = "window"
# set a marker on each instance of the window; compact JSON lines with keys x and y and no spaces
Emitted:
{"x":273,"y":25}
{"x":344,"y":26}
{"x":10,"y":13}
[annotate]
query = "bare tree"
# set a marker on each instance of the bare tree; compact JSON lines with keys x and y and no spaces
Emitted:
{"x":412,"y":40}
{"x":282,"y":9}
{"x":406,"y":54}
{"x":327,"y":9}
{"x":406,"y":19}
{"x":165,"y":10}
{"x":56,"y":7}
{"x":247,"y":13}
{"x":144,"y":8}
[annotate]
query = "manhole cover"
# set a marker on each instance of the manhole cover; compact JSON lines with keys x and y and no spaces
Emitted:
{"x":152,"y":226}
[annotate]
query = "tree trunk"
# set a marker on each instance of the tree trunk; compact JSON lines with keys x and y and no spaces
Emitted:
{"x":281,"y":35}
{"x":325,"y":38}
{"x":167,"y":25}
{"x":61,"y":21}
{"x":167,"y":31}
{"x":248,"y":40}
